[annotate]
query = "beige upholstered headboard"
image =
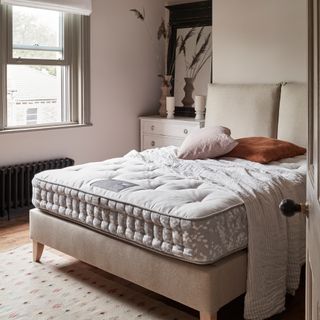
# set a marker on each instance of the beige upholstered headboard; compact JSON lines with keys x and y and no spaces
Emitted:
{"x":271,"y":110}
{"x":293,"y":114}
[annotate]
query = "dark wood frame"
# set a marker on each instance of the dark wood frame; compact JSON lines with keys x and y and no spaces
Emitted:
{"x":188,"y":15}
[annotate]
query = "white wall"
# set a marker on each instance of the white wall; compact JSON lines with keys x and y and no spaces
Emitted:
{"x":124,"y":85}
{"x":259,"y":41}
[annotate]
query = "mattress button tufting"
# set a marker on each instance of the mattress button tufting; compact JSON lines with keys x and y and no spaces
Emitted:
{"x":186,"y":131}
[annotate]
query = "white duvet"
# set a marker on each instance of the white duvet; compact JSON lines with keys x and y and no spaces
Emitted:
{"x":157,"y":181}
{"x":276,"y":245}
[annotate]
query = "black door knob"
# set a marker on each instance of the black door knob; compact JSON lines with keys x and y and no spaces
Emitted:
{"x":289,"y":208}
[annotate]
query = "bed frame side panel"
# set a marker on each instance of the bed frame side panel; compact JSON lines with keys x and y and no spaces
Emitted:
{"x":205,"y":288}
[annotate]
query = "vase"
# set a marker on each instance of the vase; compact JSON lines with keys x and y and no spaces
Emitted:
{"x":165,"y":92}
{"x":188,"y":101}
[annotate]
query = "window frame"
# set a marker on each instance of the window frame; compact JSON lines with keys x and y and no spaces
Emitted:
{"x":76,"y":60}
{"x":66,"y":34}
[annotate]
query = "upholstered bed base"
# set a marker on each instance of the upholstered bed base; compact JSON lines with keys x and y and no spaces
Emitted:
{"x":204,"y":288}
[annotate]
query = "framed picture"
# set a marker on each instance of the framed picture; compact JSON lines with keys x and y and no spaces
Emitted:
{"x":190,"y":52}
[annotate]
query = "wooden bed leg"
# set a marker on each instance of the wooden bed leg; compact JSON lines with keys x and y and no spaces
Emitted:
{"x":208,"y":316}
{"x":37,"y":251}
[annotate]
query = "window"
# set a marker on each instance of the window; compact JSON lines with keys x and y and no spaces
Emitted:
{"x":45,"y":68}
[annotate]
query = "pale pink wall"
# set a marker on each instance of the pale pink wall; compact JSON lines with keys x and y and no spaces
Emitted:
{"x":259,"y":41}
{"x":124,"y":85}
{"x":173,"y":2}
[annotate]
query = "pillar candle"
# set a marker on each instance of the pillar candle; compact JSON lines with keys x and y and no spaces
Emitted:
{"x":171,"y":103}
{"x":200,"y":102}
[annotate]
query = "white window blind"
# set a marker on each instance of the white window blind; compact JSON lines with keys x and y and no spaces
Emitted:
{"x":81,"y":7}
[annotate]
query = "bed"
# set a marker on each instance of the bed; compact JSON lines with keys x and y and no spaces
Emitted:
{"x":152,"y":223}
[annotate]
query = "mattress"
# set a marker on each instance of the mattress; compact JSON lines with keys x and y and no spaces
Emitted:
{"x":153,"y":200}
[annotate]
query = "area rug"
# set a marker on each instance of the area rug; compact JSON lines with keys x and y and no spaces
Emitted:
{"x":64,"y":288}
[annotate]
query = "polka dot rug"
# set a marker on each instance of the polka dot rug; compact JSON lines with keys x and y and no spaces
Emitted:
{"x":60,"y":287}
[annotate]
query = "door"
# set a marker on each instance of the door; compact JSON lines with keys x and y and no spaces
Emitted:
{"x":313,"y":175}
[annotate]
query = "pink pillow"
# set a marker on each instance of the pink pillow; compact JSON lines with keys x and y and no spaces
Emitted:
{"x":207,"y":143}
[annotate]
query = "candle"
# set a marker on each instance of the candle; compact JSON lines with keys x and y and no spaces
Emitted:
{"x":199,"y":106}
{"x":171,"y":103}
{"x":200,"y":102}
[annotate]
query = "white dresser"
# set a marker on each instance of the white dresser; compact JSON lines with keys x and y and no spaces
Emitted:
{"x":157,"y":132}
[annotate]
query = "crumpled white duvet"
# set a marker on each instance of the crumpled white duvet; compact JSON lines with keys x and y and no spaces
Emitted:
{"x":276,"y":245}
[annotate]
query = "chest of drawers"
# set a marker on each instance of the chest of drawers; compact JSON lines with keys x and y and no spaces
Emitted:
{"x":157,"y":132}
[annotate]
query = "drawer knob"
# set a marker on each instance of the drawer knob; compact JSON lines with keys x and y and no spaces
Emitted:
{"x":186,"y":131}
{"x":152,"y":128}
{"x":153,"y":143}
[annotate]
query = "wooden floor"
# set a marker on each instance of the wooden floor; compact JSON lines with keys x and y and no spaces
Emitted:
{"x":15,"y":232}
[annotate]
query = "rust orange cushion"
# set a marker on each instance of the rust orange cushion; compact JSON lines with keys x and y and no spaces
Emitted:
{"x":264,"y":150}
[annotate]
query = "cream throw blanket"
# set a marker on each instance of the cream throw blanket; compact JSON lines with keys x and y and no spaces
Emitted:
{"x":276,"y":245}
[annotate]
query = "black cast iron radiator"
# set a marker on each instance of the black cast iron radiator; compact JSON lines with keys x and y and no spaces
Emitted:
{"x":15,"y":183}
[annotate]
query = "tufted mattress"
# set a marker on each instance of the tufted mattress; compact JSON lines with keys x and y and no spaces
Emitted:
{"x":151,"y":199}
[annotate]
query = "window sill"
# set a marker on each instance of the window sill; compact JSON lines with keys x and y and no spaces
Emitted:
{"x":44,"y":128}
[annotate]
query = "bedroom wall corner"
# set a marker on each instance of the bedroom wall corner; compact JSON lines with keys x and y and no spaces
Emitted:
{"x":258,"y":41}
{"x":125,"y":62}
